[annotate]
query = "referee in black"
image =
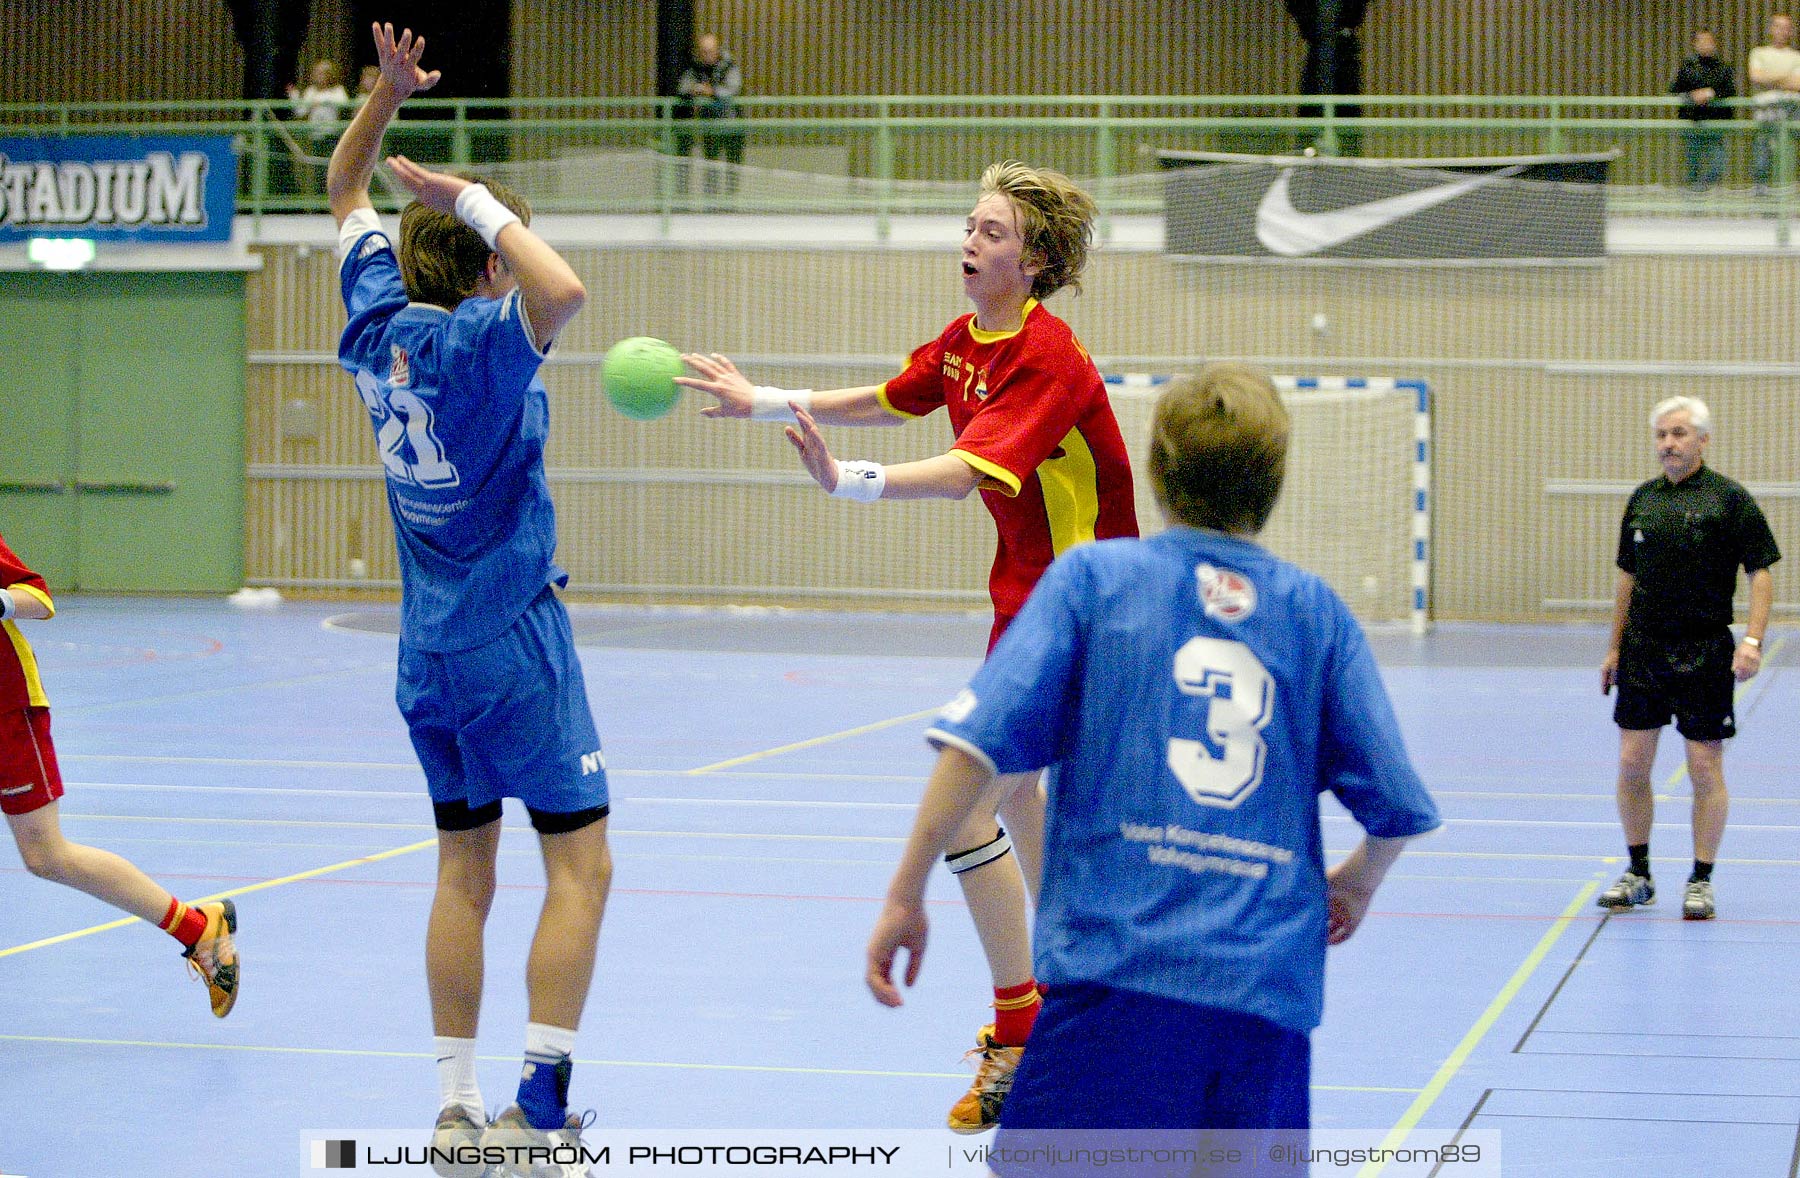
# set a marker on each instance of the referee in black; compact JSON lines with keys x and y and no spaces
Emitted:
{"x":1684,"y":536}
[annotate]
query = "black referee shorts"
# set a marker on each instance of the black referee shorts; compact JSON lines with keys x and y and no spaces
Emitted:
{"x":1687,"y":678}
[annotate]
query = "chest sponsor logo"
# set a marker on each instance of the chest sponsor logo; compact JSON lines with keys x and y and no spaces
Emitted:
{"x":1224,"y":594}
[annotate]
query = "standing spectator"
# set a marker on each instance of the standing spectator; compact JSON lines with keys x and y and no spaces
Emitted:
{"x":1333,"y":60}
{"x":365,"y":85}
{"x":319,"y":107}
{"x":445,"y":340}
{"x":1196,"y":696}
{"x":1704,"y":81}
{"x":1683,"y":538}
{"x":711,"y":84}
{"x":1774,"y":81}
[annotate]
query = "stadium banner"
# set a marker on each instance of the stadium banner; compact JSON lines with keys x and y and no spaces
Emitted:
{"x":1488,"y":210}
{"x":149,"y":188}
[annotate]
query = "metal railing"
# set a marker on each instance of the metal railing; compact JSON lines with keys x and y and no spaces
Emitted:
{"x":881,"y":145}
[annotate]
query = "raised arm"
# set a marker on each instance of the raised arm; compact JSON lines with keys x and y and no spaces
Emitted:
{"x":353,"y":160}
{"x":548,"y":285}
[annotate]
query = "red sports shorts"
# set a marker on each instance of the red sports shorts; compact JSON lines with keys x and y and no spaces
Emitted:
{"x":29,"y":778}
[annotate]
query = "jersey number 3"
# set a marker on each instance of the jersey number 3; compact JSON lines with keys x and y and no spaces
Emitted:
{"x":1231,"y":686}
{"x":403,"y":433}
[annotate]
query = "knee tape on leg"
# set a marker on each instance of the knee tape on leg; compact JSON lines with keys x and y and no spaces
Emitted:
{"x":981,"y":856}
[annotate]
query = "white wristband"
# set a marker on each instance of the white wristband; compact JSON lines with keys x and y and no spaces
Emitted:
{"x":1755,"y":642}
{"x":861,"y":481}
{"x":768,"y":403}
{"x":482,"y":211}
{"x":8,"y":607}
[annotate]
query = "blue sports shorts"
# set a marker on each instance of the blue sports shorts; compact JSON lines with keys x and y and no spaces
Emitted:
{"x":1160,"y":1086}
{"x":507,"y":719}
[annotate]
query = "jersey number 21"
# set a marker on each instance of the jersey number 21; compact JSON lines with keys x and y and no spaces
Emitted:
{"x":403,"y":421}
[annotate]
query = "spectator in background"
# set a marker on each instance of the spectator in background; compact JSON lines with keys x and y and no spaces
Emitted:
{"x":320,"y":106}
{"x":1774,"y":81}
{"x":1704,"y":81}
{"x":710,"y":84}
{"x":365,"y":86}
{"x":1333,"y":60}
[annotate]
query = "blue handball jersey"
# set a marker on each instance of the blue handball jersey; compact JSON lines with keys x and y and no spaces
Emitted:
{"x":1193,"y":696}
{"x":460,"y":419}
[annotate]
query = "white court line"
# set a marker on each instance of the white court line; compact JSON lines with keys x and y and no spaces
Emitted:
{"x":772,"y":804}
{"x":513,"y":1059}
{"x":416,"y":795}
{"x":413,"y":767}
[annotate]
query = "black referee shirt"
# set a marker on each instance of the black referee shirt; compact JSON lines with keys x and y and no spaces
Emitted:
{"x":1683,"y":544}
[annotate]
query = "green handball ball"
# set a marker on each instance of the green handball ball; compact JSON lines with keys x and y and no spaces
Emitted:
{"x":639,"y":374}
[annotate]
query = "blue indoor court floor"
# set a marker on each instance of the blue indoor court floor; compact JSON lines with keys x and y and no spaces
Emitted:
{"x":764,"y":767}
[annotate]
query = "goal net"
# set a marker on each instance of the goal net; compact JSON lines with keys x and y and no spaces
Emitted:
{"x":688,"y":509}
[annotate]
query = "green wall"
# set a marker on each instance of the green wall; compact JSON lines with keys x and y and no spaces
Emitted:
{"x":122,"y":428}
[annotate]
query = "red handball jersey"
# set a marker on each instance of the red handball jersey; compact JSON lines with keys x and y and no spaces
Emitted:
{"x":20,"y":686}
{"x":1030,"y":414}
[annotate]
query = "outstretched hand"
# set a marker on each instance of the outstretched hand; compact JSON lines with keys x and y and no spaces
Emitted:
{"x":399,"y":61}
{"x":720,"y":377}
{"x":813,"y":453}
{"x":434,"y":190}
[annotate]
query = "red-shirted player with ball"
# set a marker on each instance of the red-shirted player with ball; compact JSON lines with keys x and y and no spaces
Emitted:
{"x":1036,"y":436}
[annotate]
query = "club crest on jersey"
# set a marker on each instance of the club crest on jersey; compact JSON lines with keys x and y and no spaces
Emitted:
{"x":400,"y":375}
{"x":1226,"y":595}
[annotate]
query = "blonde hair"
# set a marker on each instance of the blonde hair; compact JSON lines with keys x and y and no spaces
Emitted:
{"x":1056,"y":221}
{"x":1218,"y":448}
{"x":441,"y":259}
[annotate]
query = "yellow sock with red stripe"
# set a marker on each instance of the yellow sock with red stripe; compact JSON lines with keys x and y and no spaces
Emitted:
{"x":183,"y":923}
{"x":1015,"y":1011}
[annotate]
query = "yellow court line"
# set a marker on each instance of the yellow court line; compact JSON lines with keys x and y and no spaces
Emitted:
{"x":1454,"y":1062}
{"x":243,"y":891}
{"x":814,"y":742}
{"x":1737,"y":697}
{"x":71,"y":1041}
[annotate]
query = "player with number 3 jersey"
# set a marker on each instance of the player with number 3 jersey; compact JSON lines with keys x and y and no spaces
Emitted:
{"x":1192,"y":695}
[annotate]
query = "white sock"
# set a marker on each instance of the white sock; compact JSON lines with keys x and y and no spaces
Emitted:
{"x":543,"y":1041}
{"x":456,"y":1076}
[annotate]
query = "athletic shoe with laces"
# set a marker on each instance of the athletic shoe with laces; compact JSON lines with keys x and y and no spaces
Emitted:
{"x":979,"y":1109}
{"x":455,"y":1145}
{"x":214,"y":959}
{"x":1697,"y":902}
{"x":1631,"y":891}
{"x":537,"y":1153}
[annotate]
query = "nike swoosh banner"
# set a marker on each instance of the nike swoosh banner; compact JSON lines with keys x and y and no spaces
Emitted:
{"x":1492,"y":210}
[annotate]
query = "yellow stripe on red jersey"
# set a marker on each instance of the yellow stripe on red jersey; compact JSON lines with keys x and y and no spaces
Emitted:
{"x":20,"y":684}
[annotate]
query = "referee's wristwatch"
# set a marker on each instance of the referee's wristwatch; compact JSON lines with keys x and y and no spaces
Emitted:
{"x":1754,"y":642}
